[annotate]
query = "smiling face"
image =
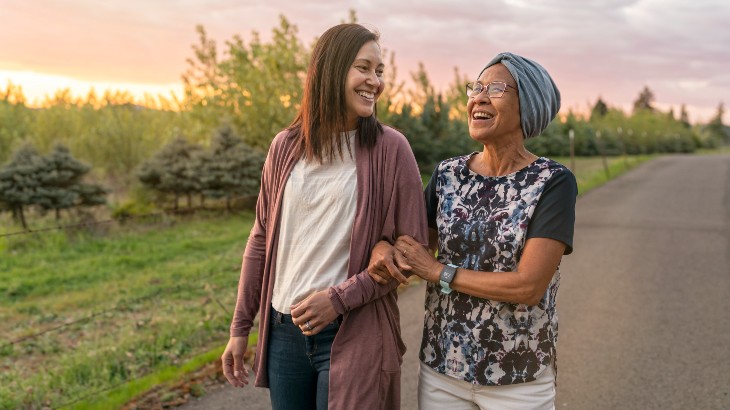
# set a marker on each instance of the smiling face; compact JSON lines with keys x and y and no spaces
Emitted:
{"x":364,"y":83}
{"x":494,"y":119}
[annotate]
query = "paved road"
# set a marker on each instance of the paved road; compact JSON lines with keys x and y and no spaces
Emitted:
{"x":644,"y":301}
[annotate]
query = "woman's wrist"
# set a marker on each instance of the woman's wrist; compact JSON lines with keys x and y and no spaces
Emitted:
{"x":435,"y":272}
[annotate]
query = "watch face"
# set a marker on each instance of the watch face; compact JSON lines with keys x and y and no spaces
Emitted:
{"x":448,"y":273}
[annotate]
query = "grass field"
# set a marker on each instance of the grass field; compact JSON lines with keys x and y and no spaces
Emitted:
{"x":90,"y":316}
{"x":114,"y":308}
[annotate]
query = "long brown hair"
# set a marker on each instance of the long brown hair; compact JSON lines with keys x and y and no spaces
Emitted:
{"x":322,"y":117}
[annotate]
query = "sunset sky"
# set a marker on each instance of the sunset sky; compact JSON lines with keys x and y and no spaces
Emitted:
{"x":609,"y":49}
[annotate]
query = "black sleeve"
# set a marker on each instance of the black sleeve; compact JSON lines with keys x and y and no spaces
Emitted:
{"x":554,"y":216}
{"x":432,"y":201}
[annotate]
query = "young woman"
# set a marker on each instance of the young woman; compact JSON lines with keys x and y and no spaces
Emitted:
{"x":334,"y":184}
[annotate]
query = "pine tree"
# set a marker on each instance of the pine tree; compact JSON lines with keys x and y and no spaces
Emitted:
{"x":683,"y":116}
{"x":90,"y":194}
{"x":171,"y":170}
{"x":599,"y":110}
{"x":61,"y":175}
{"x":20,"y":181}
{"x":716,"y":128}
{"x":645,"y":100}
{"x":231,"y":168}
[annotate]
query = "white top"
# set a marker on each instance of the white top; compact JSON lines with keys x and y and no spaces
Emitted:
{"x":317,"y":214}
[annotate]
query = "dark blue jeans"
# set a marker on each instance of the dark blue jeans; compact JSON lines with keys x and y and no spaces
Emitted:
{"x":298,"y":365}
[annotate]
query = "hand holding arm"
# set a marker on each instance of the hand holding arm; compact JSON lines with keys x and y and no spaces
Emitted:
{"x":418,"y":258}
{"x":526,"y":285}
{"x":386,"y":263}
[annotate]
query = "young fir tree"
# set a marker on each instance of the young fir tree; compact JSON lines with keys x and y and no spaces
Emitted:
{"x":231,"y":168}
{"x":90,"y":194}
{"x":61,"y":174}
{"x":20,"y":182}
{"x":171,"y":170}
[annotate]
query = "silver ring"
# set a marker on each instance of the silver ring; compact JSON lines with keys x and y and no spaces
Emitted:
{"x":308,"y":326}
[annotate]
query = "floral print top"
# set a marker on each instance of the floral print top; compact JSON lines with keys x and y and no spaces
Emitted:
{"x":483,"y":223}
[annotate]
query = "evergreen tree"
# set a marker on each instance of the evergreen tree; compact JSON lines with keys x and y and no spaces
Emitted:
{"x":599,"y":110}
{"x":20,"y":181}
{"x":418,"y":137}
{"x":90,"y":194}
{"x":716,"y":128}
{"x":683,"y":116}
{"x":171,"y":170}
{"x":231,"y":168}
{"x":61,"y":175}
{"x":645,"y":100}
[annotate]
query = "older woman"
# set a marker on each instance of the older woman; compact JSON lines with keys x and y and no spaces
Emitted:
{"x":501,"y":219}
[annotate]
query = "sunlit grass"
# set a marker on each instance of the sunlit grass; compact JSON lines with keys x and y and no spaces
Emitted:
{"x":125,"y":306}
{"x":590,"y":172}
{"x":167,"y":375}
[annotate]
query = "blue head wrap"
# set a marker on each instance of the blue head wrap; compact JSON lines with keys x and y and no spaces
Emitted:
{"x":538,"y":94}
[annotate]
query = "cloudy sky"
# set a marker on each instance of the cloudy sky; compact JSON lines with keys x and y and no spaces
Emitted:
{"x":611,"y":49}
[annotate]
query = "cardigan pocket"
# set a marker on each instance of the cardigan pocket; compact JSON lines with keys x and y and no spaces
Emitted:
{"x":389,"y":390}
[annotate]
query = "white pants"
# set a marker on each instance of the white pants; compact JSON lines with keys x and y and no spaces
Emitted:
{"x":437,"y":392}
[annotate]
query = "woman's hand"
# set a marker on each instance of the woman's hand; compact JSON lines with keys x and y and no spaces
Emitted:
{"x":419,"y":259}
{"x":233,"y":367}
{"x":386,"y":263}
{"x":314,"y":313}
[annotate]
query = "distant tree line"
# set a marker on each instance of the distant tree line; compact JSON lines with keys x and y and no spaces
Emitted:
{"x":647,"y":130}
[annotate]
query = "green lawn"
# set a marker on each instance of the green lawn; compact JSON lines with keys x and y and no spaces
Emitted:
{"x":131,"y":307}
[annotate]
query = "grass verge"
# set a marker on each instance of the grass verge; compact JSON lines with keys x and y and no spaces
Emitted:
{"x":164,"y":377}
{"x":590,"y":172}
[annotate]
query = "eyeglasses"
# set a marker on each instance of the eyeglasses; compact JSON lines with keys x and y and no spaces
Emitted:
{"x":495,"y":89}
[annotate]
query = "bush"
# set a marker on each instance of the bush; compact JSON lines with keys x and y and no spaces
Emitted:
{"x":131,"y":209}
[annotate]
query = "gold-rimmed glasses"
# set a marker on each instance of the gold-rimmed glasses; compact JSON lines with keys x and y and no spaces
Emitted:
{"x":495,"y":89}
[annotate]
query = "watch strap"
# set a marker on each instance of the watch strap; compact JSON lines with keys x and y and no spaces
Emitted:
{"x":446,"y":277}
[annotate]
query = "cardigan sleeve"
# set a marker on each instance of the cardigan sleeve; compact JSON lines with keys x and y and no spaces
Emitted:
{"x":250,"y":283}
{"x":403,"y":213}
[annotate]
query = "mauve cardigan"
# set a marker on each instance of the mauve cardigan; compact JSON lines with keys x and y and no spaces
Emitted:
{"x":367,"y":351}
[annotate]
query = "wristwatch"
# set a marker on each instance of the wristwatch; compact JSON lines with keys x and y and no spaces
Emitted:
{"x":447,"y":276}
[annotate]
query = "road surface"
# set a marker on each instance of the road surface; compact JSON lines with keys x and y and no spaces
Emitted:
{"x":644,"y":302}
